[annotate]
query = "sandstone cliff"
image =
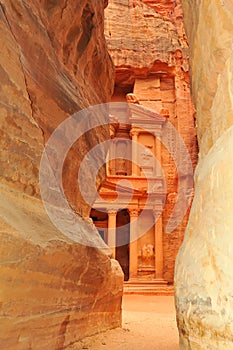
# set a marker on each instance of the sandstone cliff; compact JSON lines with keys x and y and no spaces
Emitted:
{"x":147,"y":42}
{"x":54,"y":291}
{"x":139,"y":37}
{"x":204,"y":271}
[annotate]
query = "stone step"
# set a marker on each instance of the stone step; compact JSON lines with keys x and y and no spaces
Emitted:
{"x":148,"y":288}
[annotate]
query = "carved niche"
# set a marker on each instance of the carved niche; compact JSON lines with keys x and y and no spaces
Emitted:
{"x":146,"y":160}
{"x":120,"y":154}
{"x":146,"y":259}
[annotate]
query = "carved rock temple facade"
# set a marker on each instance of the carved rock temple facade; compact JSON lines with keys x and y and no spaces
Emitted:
{"x":134,"y":193}
{"x":150,"y":54}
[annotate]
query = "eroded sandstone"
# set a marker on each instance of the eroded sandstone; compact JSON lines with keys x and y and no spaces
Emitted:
{"x":54,"y":291}
{"x":203,"y":268}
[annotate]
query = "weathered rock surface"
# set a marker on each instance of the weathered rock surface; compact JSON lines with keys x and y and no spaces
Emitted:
{"x":136,"y":44}
{"x":204,"y":265}
{"x":147,"y":42}
{"x":53,"y":291}
{"x":53,"y":63}
{"x":165,"y":8}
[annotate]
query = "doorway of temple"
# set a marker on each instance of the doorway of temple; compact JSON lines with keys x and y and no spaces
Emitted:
{"x":100,"y":219}
{"x":122,"y":240}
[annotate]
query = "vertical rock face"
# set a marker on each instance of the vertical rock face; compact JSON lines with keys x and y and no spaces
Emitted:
{"x":53,"y":291}
{"x":204,"y":271}
{"x":149,"y":48}
{"x":55,"y":55}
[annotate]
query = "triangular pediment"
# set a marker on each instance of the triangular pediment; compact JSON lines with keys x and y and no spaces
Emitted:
{"x":142,"y":115}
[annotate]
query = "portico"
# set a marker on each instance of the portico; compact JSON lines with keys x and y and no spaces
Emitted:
{"x":131,"y":222}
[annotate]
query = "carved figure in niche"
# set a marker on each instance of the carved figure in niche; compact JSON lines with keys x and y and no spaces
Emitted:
{"x":146,"y":156}
{"x":157,"y":187}
{"x":147,"y":251}
{"x":146,"y":256}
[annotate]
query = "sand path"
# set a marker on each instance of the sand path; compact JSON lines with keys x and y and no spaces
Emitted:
{"x":148,"y":324}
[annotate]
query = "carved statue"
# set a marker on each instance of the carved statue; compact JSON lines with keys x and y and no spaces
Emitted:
{"x":147,"y":252}
{"x":146,"y":260}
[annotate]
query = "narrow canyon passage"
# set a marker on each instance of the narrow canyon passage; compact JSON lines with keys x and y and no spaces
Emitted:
{"x":148,"y":323}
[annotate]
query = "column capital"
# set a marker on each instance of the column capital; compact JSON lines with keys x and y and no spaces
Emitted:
{"x":134,"y":131}
{"x":112,"y":211}
{"x":157,"y":212}
{"x":133,"y":213}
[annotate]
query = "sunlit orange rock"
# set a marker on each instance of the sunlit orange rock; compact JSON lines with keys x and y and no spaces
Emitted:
{"x":53,"y":63}
{"x":204,"y":271}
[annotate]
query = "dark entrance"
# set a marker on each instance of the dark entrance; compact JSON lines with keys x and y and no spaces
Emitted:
{"x":100,"y":219}
{"x":122,"y":241}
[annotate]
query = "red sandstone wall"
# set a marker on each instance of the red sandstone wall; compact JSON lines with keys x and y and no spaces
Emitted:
{"x":53,"y":291}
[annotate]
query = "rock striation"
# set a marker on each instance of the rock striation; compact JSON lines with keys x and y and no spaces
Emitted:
{"x":148,"y":45}
{"x":203,"y":268}
{"x":48,"y":63}
{"x":54,"y":291}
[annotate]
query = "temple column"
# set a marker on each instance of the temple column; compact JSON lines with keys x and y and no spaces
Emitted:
{"x":134,"y":134}
{"x":133,"y":246}
{"x":158,"y":246}
{"x":112,"y":213}
{"x":157,"y":145}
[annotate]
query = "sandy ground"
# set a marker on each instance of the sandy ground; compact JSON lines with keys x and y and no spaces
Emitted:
{"x":148,"y":324}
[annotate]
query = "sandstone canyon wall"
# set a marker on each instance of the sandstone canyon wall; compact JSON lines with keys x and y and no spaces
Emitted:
{"x":147,"y":43}
{"x":204,"y":271}
{"x":54,"y":290}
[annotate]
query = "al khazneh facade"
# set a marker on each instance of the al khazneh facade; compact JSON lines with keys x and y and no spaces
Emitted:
{"x":149,"y":49}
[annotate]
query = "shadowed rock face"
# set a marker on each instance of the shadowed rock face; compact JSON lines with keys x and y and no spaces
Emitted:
{"x":53,"y":63}
{"x":204,"y":271}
